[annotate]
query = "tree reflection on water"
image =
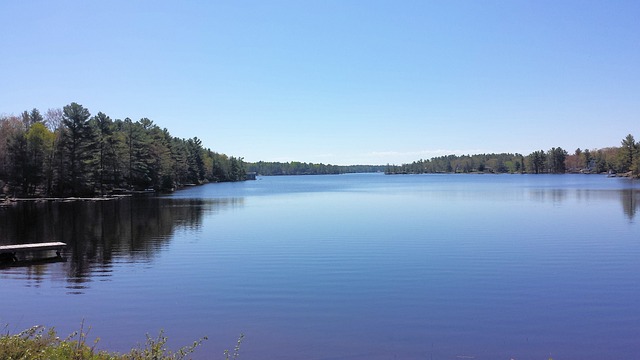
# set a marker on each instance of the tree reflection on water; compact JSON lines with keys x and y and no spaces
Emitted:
{"x":98,"y":233}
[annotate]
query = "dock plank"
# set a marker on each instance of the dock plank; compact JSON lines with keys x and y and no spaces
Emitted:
{"x":32,"y":247}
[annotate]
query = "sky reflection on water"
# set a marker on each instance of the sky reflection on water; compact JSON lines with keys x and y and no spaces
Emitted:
{"x":355,"y":266}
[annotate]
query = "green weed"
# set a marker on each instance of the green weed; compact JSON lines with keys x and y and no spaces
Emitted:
{"x":40,"y":343}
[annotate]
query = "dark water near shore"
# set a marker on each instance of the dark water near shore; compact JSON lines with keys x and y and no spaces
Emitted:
{"x":360,"y":266}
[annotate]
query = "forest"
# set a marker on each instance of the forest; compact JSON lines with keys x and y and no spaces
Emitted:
{"x":68,"y":152}
{"x":623,"y":160}
{"x":301,"y":168}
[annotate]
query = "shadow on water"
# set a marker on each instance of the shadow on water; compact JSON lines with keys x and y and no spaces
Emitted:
{"x":99,"y":233}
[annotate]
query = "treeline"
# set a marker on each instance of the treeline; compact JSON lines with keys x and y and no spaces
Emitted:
{"x":621,"y":160}
{"x":301,"y":168}
{"x":68,"y":152}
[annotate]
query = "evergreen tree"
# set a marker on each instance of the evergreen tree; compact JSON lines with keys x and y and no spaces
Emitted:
{"x":537,"y":160}
{"x":77,"y":147}
{"x":627,"y":154}
{"x":18,"y":159}
{"x":555,"y":160}
{"x":103,"y":129}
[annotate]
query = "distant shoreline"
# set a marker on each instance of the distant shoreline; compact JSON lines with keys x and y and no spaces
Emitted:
{"x":625,"y":175}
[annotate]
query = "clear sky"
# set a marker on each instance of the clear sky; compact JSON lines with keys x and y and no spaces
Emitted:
{"x":336,"y":81}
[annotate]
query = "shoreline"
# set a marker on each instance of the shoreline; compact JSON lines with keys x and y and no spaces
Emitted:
{"x":8,"y":201}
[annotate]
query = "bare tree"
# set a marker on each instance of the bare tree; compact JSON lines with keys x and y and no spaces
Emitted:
{"x":53,"y":118}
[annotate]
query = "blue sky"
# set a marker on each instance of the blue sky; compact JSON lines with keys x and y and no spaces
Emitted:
{"x":336,"y":81}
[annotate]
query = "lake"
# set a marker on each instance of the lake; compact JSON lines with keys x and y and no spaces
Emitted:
{"x":361,"y":266}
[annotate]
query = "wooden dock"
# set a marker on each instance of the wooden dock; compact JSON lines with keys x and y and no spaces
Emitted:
{"x":12,"y":250}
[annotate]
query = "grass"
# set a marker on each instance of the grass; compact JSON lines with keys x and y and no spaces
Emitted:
{"x":40,"y":343}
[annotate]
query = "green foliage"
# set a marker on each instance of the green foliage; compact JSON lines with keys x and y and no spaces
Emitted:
{"x":81,"y":155}
{"x":554,"y":161}
{"x":84,"y":156}
{"x":301,"y":168}
{"x":39,"y":343}
{"x":156,"y":348}
{"x":627,"y":159}
{"x":481,"y":163}
{"x":76,"y":151}
{"x":40,"y":144}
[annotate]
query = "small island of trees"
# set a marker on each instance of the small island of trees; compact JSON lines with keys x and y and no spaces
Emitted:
{"x":68,"y":152}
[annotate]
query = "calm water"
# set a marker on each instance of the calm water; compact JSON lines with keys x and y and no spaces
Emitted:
{"x":345,"y":267}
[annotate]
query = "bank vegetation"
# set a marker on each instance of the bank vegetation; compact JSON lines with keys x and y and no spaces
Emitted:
{"x":40,"y":343}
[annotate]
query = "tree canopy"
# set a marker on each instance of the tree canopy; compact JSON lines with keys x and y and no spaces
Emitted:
{"x":68,"y":152}
{"x":624,"y":160}
{"x":302,"y":168}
